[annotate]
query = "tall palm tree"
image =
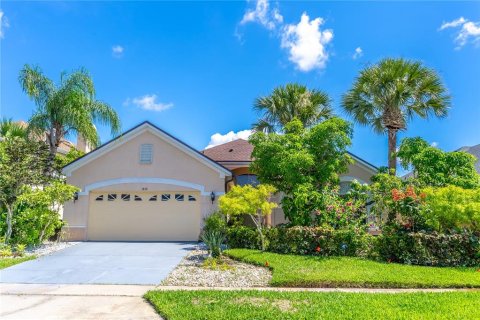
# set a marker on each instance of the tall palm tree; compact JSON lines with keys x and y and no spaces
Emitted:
{"x":10,"y":129}
{"x":69,"y":107}
{"x":291,"y":101}
{"x":390,"y":93}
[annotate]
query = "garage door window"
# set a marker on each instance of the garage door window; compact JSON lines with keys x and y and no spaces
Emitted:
{"x":191,"y":198}
{"x":179,"y":197}
{"x":137,"y":198}
{"x":125,"y":197}
{"x":165,"y":197}
{"x":99,"y":198}
{"x":112,"y":196}
{"x":153,"y":198}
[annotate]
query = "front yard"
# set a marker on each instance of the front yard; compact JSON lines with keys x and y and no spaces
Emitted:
{"x":312,"y":305}
{"x":311,"y":271}
{"x":8,"y":262}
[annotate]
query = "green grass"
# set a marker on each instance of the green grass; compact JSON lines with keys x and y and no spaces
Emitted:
{"x":265,"y":305}
{"x":311,"y":271}
{"x":8,"y":262}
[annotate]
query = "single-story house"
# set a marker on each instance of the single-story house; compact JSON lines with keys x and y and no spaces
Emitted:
{"x":147,"y":185}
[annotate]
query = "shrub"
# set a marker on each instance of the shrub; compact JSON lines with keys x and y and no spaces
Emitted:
{"x":243,"y":237}
{"x":429,"y":249}
{"x":215,"y":222}
{"x":20,"y":250}
{"x":452,"y":208}
{"x":214,"y":240}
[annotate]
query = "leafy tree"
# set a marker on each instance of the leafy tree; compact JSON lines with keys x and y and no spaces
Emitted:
{"x":292,"y":101}
{"x":250,"y":200}
{"x":301,"y":162}
{"x":388,"y":94}
{"x":70,"y":107}
{"x":9,"y":129}
{"x":62,"y":160}
{"x":22,"y":163}
{"x":436,"y":168}
{"x":381,"y":190}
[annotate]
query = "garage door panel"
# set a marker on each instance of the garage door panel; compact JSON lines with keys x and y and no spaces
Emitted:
{"x":144,"y":216}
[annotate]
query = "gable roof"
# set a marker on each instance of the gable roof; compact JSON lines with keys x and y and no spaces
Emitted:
{"x":240,"y":150}
{"x":145,"y":126}
{"x":234,"y":151}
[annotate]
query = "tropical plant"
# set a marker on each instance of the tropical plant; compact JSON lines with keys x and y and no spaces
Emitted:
{"x":67,"y":108}
{"x":249,"y":200}
{"x":390,"y":93}
{"x":301,"y":162}
{"x":10,"y":129}
{"x":22,"y":163}
{"x":214,"y":240}
{"x":291,"y":101}
{"x":436,"y":168}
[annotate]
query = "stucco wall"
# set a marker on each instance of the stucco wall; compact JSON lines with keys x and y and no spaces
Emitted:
{"x":123,"y":162}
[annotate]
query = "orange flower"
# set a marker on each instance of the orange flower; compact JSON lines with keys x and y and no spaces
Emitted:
{"x":317,"y":249}
{"x":423,"y":195}
{"x":410,"y":192}
{"x":267,"y":264}
{"x":397,"y":195}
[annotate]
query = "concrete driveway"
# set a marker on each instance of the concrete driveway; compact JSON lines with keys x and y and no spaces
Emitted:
{"x":140,"y":263}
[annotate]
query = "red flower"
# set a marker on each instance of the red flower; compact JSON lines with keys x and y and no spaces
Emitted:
{"x":397,"y":195}
{"x":317,"y":249}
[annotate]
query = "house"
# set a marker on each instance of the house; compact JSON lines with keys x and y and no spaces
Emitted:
{"x":147,"y":185}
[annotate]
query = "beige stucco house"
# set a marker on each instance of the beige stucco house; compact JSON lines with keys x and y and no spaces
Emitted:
{"x":146,"y":185}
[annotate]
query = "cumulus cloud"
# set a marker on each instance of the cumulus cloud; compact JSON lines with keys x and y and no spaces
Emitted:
{"x":117,"y":51}
{"x":467,"y":31}
{"x":306,"y":43}
{"x":263,"y":15}
{"x":434,"y":144}
{"x":148,"y":102}
{"x":3,"y":24}
{"x":358,"y":53}
{"x":218,"y":138}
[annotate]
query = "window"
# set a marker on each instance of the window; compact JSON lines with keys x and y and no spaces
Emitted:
{"x":112,"y":196}
{"x":137,"y":198}
{"x":165,"y":197}
{"x":179,"y":197}
{"x":125,"y":197}
{"x":245,"y":179}
{"x":153,"y":198}
{"x":146,"y":153}
{"x":99,"y":198}
{"x":191,"y":198}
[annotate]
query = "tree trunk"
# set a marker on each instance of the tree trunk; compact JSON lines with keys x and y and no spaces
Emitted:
{"x":258,"y":224}
{"x":8,"y":233}
{"x":392,"y":150}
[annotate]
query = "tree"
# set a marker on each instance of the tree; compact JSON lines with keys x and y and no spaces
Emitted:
{"x":9,"y":129}
{"x":302,"y":162}
{"x":22,"y":163}
{"x":292,"y":101}
{"x":250,"y":200}
{"x":436,"y":168}
{"x":62,"y":160}
{"x":70,"y":107}
{"x":390,"y":93}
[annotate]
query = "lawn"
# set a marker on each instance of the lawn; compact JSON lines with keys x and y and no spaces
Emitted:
{"x":310,"y":271}
{"x":8,"y":262}
{"x":313,"y":305}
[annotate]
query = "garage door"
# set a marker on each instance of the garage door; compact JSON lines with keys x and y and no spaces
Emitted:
{"x":144,"y":216}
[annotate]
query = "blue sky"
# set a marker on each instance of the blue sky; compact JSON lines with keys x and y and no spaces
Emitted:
{"x":195,"y":68}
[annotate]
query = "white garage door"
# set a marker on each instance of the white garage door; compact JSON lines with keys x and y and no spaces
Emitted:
{"x":144,"y":216}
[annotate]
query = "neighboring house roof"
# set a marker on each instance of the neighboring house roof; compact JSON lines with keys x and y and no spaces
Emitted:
{"x":475,"y":151}
{"x":135,"y":131}
{"x":234,"y":151}
{"x":241,"y":151}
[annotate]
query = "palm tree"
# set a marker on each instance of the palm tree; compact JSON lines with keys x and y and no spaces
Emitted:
{"x":289,"y":102}
{"x":10,"y":129}
{"x":390,"y":93}
{"x":67,"y":108}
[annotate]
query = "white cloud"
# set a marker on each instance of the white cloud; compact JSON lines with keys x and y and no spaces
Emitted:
{"x":117,"y":51}
{"x":306,"y":43}
{"x":218,"y":138}
{"x":148,"y":102}
{"x":434,"y":144}
{"x":467,"y":31}
{"x":358,"y":53}
{"x":263,"y":15}
{"x":3,"y":24}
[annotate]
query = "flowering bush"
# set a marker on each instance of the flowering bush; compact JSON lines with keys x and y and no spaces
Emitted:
{"x":407,"y":205}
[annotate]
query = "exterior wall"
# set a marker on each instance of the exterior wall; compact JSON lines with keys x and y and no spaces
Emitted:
{"x":169,"y":163}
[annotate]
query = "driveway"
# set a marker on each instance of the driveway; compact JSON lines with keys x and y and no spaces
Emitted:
{"x":140,"y":263}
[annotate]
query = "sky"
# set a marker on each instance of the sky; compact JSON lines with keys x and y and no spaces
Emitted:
{"x":195,"y":68}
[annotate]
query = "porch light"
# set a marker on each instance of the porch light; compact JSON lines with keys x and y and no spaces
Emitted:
{"x":212,"y":197}
{"x":75,"y":196}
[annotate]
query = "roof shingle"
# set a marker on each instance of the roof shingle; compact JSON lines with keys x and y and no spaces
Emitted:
{"x":237,"y":150}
